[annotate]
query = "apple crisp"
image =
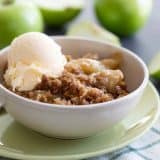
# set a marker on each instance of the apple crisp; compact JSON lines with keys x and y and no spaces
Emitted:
{"x":86,"y":80}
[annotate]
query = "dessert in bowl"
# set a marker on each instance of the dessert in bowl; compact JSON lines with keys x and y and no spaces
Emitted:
{"x":69,"y":96}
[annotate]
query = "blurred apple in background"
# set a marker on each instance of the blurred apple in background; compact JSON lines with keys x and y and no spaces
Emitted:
{"x":92,"y":31}
{"x":123,"y":17}
{"x":56,"y":13}
{"x":17,"y":17}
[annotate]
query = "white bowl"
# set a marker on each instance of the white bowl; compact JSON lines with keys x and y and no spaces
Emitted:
{"x":79,"y":121}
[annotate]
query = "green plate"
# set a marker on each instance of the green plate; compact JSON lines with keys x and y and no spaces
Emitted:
{"x":19,"y":142}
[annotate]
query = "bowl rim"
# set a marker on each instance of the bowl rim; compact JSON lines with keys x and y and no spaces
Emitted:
{"x":89,"y":106}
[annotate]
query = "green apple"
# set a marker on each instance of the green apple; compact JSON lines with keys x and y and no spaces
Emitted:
{"x":123,"y":17}
{"x":93,"y":31}
{"x":17,"y":17}
{"x":154,"y":67}
{"x":56,"y":13}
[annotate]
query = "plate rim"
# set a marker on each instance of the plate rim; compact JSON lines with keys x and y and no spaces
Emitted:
{"x":11,"y":154}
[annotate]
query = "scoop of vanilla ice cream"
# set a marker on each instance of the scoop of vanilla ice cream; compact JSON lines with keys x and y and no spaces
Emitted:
{"x":30,"y":56}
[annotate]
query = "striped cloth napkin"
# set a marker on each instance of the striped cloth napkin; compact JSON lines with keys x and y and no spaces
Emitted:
{"x":145,"y":148}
